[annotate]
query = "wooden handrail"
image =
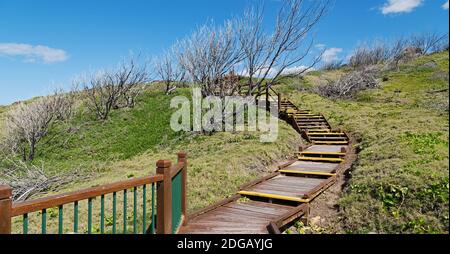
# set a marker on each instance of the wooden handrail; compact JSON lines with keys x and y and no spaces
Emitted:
{"x":66,"y":198}
{"x":175,"y":169}
{"x":163,"y":178}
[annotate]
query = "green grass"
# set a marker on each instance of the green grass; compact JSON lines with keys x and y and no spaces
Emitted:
{"x":131,"y":142}
{"x":87,"y":143}
{"x":400,"y":182}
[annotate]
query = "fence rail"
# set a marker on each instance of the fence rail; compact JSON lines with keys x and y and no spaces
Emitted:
{"x":169,"y":183}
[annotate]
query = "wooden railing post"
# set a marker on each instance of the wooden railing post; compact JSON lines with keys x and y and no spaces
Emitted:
{"x":267,"y":98}
{"x":279,"y":101}
{"x":164,"y":198}
{"x":5,"y":209}
{"x":182,"y":157}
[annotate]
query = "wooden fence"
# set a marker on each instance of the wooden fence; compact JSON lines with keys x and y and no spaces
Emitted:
{"x":169,"y":183}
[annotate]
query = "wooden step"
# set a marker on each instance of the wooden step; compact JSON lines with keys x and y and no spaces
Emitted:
{"x":286,"y":171}
{"x":302,"y":158}
{"x":325,"y":130}
{"x":315,"y":123}
{"x":303,"y":115}
{"x":309,"y":117}
{"x":330,"y":142}
{"x":328,"y":138}
{"x":311,"y":121}
{"x":314,"y":126}
{"x":325,"y":134}
{"x":302,"y":112}
{"x":273,"y":196}
{"x":322,"y":153}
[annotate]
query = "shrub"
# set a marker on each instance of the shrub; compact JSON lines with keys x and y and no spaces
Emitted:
{"x":349,"y":84}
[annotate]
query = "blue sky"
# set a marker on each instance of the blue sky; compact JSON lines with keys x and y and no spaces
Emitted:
{"x":45,"y":43}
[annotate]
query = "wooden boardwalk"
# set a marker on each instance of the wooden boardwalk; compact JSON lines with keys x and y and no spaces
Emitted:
{"x":272,"y":203}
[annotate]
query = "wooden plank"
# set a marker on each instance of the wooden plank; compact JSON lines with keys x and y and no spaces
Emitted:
{"x":260,"y":180}
{"x":299,"y":172}
{"x":273,"y":228}
{"x":230,"y":219}
{"x":318,"y":189}
{"x":313,"y":165}
{"x":322,"y":153}
{"x":274,"y":196}
{"x":331,"y":142}
{"x":245,"y":213}
{"x":299,"y":211}
{"x":202,"y":229}
{"x":285,"y":186}
{"x":321,"y":159}
{"x":289,"y":191}
{"x":214,"y":206}
{"x":260,"y":207}
{"x":326,"y":148}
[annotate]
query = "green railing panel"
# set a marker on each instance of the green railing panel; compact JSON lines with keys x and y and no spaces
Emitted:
{"x":90,"y":216}
{"x":148,"y":220}
{"x":176,"y":201}
{"x":114,"y":213}
{"x":135,"y":210}
{"x":75,"y":217}
{"x":124,"y":211}
{"x":25,"y":224}
{"x":144,"y":208}
{"x":152,"y":228}
{"x":102,"y":214}
{"x":60,"y":219}
{"x":44,"y":222}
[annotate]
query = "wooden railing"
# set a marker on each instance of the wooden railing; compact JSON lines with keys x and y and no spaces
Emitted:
{"x":169,"y":181}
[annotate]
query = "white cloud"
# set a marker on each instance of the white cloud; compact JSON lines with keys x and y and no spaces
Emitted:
{"x":331,"y":54}
{"x":398,"y":6}
{"x":296,"y":70}
{"x":320,"y":46}
{"x":260,"y":73}
{"x":445,"y":6}
{"x":32,"y":53}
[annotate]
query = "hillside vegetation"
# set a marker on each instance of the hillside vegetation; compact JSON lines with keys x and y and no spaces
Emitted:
{"x":400,"y":182}
{"x":130,"y":142}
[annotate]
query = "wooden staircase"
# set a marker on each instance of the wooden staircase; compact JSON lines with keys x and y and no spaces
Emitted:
{"x":272,"y":203}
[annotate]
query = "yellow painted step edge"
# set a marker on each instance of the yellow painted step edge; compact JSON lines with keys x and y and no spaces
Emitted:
{"x":305,"y":172}
{"x":320,"y":159}
{"x":323,"y":153}
{"x":273,"y":196}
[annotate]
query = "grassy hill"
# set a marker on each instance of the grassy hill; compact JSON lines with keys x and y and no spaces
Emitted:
{"x":130,"y":142}
{"x":400,"y":182}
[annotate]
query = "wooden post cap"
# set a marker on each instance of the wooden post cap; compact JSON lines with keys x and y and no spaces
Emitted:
{"x":182,"y":155}
{"x":5,"y":192}
{"x":163,"y":164}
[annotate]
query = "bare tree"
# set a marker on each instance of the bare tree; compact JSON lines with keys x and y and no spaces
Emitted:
{"x":168,"y":70}
{"x":27,"y":180}
{"x":129,"y":77}
{"x":428,"y":42}
{"x":291,"y":42}
{"x":366,"y":55}
{"x":107,"y":90}
{"x":212,"y":52}
{"x":349,"y":84}
{"x":208,"y":55}
{"x":333,"y":65}
{"x":28,"y":124}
